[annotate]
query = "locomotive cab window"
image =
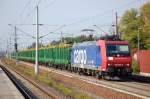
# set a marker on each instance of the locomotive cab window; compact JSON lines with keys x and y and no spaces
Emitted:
{"x":117,"y":49}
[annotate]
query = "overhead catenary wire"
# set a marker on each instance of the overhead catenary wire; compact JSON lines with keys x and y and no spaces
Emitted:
{"x":38,"y":2}
{"x":45,"y":24}
{"x":28,"y":34}
{"x":80,"y":20}
{"x":32,"y":10}
{"x":53,"y":31}
{"x":22,"y":31}
{"x":101,"y":14}
{"x":45,"y":27}
{"x":77,"y":22}
{"x":29,"y":14}
{"x":51,"y":3}
{"x":25,"y":7}
{"x":22,"y":11}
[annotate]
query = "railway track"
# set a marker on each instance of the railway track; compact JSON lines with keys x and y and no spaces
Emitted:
{"x":131,"y":87}
{"x":27,"y":93}
{"x":135,"y":85}
{"x":20,"y":87}
{"x":135,"y":88}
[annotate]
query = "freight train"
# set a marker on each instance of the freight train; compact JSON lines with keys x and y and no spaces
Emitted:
{"x":100,"y":58}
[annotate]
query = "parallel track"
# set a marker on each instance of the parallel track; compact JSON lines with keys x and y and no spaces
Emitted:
{"x":22,"y":90}
{"x":133,"y":85}
{"x":125,"y":87}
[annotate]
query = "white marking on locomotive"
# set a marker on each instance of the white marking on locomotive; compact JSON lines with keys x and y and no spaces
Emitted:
{"x":80,"y":56}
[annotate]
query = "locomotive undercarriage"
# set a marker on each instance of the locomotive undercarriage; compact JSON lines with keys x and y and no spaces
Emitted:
{"x":110,"y":71}
{"x":118,"y":71}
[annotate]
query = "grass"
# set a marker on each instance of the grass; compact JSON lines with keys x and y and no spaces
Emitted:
{"x":43,"y":77}
{"x":136,"y":67}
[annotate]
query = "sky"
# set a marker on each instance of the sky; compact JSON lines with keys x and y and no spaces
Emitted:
{"x":67,"y":16}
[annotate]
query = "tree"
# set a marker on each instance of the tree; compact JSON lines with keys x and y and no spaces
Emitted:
{"x":129,"y":25}
{"x":145,"y":17}
{"x":34,"y":44}
{"x":134,"y":21}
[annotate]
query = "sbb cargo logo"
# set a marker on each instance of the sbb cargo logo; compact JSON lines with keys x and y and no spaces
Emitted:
{"x":80,"y":56}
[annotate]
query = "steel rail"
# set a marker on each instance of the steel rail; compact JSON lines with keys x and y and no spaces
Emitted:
{"x":19,"y":87}
{"x":33,"y":83}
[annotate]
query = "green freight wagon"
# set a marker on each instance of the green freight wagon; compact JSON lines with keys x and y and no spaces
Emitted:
{"x":26,"y":55}
{"x":59,"y":55}
{"x":55,"y":55}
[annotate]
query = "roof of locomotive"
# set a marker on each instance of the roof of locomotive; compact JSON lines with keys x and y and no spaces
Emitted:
{"x":87,"y":43}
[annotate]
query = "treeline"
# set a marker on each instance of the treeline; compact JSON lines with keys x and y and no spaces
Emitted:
{"x":82,"y":38}
{"x":71,"y":40}
{"x":77,"y":39}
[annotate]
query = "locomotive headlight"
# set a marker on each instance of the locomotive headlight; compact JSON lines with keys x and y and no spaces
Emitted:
{"x":108,"y":64}
{"x":128,"y":64}
{"x":110,"y":58}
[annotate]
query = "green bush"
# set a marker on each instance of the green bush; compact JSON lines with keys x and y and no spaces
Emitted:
{"x":136,"y":67}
